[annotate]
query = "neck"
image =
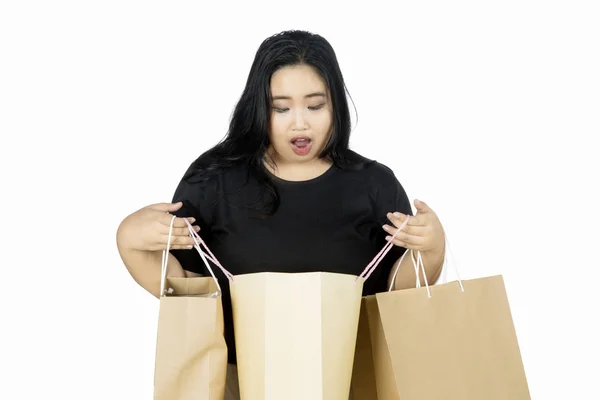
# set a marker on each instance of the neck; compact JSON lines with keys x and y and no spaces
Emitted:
{"x":298,"y":171}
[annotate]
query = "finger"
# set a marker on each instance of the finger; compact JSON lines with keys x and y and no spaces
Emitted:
{"x":180,"y":247}
{"x":163,"y":246}
{"x":398,"y":218}
{"x":165,"y":219}
{"x":166,"y":207}
{"x":184,"y":240}
{"x":418,"y":220}
{"x":421,"y":206}
{"x":410,"y":239}
{"x":164,"y":229}
{"x":401,"y":243}
{"x":396,"y":242}
{"x":412,"y":230}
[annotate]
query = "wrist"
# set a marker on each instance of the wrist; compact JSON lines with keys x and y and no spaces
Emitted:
{"x":435,"y":256}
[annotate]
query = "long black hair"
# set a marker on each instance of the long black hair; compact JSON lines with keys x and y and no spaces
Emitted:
{"x":247,"y":139}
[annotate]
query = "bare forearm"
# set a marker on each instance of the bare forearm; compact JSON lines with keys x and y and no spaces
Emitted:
{"x":145,"y":267}
{"x":432,"y":262}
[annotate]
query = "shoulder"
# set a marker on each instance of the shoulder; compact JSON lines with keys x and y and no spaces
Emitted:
{"x":381,"y":173}
{"x":201,"y":192}
{"x":386,"y":191}
{"x":369,"y":170}
{"x":210,"y":177}
{"x":201,"y":186}
{"x":381,"y":183}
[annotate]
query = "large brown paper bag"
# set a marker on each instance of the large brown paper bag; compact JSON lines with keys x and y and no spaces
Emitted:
{"x":448,"y":341}
{"x":191,"y":354}
{"x":295,"y":333}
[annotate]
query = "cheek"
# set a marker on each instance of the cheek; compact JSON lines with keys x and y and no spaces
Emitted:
{"x":277,"y":130}
{"x":323,"y":124}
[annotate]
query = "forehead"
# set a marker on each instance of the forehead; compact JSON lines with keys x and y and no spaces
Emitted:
{"x":296,"y":81}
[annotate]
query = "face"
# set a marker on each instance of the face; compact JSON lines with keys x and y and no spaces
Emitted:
{"x":301,"y":115}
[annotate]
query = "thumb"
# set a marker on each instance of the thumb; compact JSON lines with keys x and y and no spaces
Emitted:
{"x":166,"y":207}
{"x":421,"y":206}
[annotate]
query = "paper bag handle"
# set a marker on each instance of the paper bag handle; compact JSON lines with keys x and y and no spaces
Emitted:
{"x":198,"y":241}
{"x":445,"y":270}
{"x":165,"y":257}
{"x":419,"y":262}
{"x":416,"y":264}
{"x":382,"y":253}
{"x":365,"y":274}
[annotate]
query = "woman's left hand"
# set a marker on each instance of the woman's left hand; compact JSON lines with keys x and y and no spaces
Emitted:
{"x":424,"y":231}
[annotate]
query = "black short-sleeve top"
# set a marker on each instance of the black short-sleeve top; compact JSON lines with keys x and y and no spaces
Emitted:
{"x":331,"y":223}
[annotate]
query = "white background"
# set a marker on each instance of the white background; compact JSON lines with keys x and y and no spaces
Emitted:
{"x":488,"y":111}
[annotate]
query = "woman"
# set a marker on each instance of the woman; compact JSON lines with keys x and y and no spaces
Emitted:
{"x":283,"y":192}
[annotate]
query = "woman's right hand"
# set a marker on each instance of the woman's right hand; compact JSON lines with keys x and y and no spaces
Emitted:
{"x":148,"y":229}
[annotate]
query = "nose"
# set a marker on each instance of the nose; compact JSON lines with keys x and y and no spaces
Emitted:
{"x":300,"y":120}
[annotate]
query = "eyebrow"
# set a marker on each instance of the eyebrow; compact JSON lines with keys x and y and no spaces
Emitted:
{"x":316,"y":94}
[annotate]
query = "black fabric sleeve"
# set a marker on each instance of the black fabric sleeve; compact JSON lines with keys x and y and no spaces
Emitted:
{"x":196,"y":199}
{"x":390,"y":197}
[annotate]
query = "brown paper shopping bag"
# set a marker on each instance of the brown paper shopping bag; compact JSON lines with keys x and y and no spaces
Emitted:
{"x":191,"y":354}
{"x":364,"y":384}
{"x":295,"y":333}
{"x":449,"y":341}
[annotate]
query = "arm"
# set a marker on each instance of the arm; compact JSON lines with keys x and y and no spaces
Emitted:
{"x":423,"y":233}
{"x":141,"y":238}
{"x":405,"y":279}
{"x":145,"y":267}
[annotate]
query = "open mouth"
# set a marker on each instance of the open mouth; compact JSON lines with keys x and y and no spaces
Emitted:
{"x":301,"y":145}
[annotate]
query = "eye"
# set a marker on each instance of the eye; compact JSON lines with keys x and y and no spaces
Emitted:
{"x":280,"y":110}
{"x":316,"y":107}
